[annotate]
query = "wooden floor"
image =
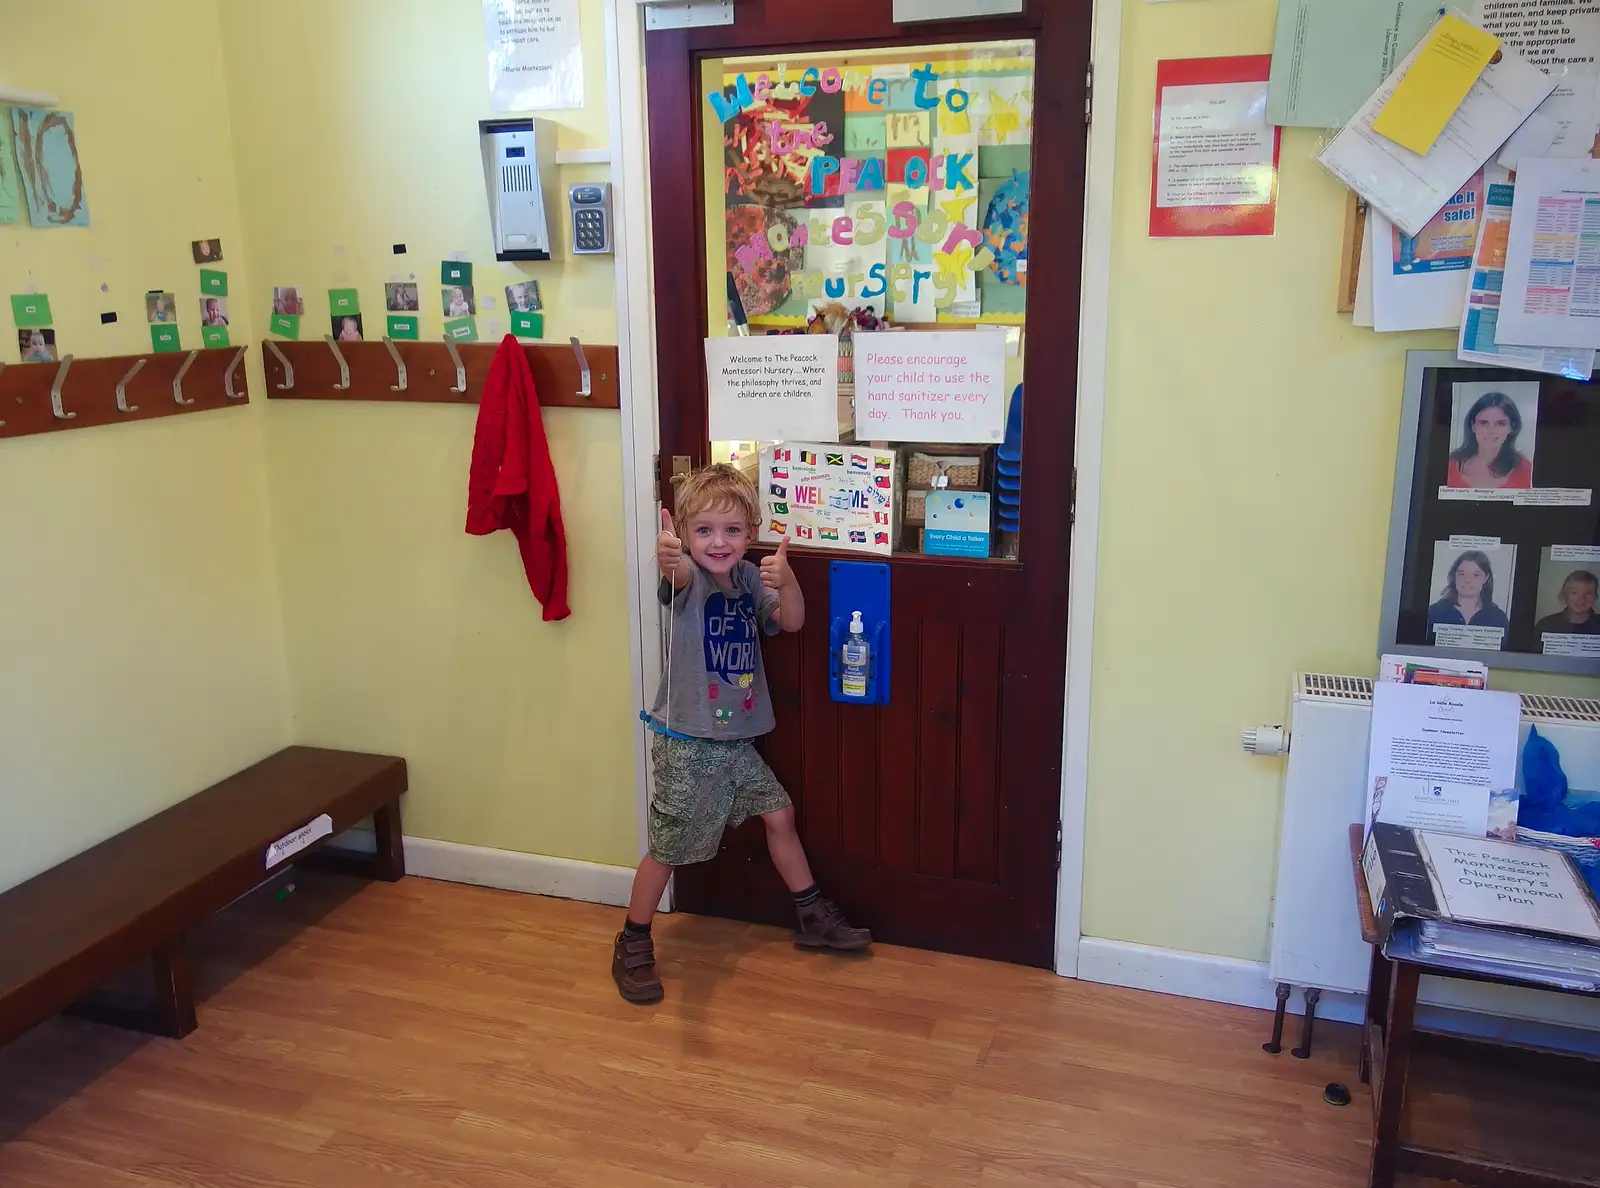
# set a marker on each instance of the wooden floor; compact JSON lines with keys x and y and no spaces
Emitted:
{"x":362,"y":1035}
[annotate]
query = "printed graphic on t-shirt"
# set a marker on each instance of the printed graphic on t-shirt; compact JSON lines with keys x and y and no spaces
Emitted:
{"x":732,"y":637}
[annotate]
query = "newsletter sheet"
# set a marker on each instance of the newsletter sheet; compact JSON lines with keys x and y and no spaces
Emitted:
{"x":1410,"y":189}
{"x":1329,"y":55}
{"x":1444,"y":759}
{"x":1552,"y":280}
{"x":1476,"y":343}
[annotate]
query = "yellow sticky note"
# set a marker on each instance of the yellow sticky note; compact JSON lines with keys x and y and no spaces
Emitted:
{"x":1451,"y":59}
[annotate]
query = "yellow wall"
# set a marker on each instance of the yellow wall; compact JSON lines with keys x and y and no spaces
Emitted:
{"x":357,"y":123}
{"x":1249,"y":458}
{"x":141,"y":655}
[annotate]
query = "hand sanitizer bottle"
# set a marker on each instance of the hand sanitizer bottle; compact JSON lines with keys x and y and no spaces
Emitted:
{"x":855,"y":659}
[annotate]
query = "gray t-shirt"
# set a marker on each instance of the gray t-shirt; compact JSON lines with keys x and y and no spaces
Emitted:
{"x":716,"y":678}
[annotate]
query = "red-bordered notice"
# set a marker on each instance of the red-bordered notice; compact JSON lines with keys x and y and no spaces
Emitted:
{"x":1214,"y":164}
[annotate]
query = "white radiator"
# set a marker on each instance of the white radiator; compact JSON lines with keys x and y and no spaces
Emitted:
{"x":1316,"y":936}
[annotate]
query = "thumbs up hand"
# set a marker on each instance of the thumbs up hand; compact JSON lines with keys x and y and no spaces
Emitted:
{"x":775,"y":571}
{"x":669,"y":549}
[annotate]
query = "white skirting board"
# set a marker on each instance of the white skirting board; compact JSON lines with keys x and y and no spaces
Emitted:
{"x":1567,"y":1023}
{"x":506,"y":870}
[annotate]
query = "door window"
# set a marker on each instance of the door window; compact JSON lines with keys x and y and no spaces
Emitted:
{"x":881,"y":197}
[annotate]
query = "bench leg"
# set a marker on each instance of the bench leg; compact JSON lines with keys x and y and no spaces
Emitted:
{"x":170,"y":1012}
{"x":389,"y":861}
{"x":174,"y":1004}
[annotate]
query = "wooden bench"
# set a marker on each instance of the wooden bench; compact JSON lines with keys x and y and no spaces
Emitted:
{"x":68,"y":931}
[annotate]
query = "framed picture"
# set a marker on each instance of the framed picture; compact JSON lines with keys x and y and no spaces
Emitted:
{"x":1494,"y":537}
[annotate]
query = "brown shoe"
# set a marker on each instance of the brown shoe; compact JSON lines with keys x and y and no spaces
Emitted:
{"x":823,"y":926}
{"x":633,"y":968}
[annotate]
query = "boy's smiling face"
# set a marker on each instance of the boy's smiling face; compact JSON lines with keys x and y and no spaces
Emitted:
{"x":717,"y":539}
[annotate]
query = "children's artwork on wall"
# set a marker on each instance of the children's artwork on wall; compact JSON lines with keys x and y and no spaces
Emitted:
{"x":37,"y":344}
{"x":524,"y":297}
{"x":160,"y":307}
{"x":768,"y":147}
{"x":400,"y":297}
{"x":47,"y":165}
{"x":458,"y":301}
{"x":761,"y":273}
{"x":288,"y":301}
{"x":347,"y":327}
{"x":207,"y":251}
{"x":213,"y":311}
{"x":10,"y":197}
{"x":891,"y":127}
{"x":826,"y":495}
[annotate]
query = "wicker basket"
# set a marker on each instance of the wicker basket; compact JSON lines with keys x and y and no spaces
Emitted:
{"x":964,"y":473}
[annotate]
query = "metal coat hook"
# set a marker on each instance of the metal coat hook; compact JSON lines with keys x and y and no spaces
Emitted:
{"x":587,"y":390}
{"x":55,"y":390}
{"x":461,"y":369}
{"x":399,"y":365}
{"x":227,"y":376}
{"x":122,"y":387}
{"x":288,"y":367}
{"x":177,"y":380}
{"x":344,"y":368}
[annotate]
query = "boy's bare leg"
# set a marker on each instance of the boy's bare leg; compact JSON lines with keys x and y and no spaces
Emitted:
{"x":788,"y":855}
{"x":822,"y":925}
{"x":649,"y":883}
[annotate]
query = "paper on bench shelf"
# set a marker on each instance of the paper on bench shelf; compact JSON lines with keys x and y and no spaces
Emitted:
{"x":1410,"y":188}
{"x":290,"y":844}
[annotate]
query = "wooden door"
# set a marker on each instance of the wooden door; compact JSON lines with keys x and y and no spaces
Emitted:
{"x":934,"y":819}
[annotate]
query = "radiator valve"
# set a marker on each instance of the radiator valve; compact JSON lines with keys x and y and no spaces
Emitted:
{"x":1266,"y":740}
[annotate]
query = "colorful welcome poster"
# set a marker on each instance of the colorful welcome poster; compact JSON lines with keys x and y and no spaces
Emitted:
{"x":829,"y":496}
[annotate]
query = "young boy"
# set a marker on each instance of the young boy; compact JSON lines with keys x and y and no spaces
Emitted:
{"x":712,"y":703}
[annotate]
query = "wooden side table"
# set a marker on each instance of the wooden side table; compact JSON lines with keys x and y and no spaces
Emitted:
{"x":1389,"y":1037}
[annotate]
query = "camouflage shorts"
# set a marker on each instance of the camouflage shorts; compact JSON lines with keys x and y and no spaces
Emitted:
{"x":704,"y":786}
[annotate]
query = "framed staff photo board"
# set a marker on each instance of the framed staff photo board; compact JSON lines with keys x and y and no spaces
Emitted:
{"x":1494,"y":541}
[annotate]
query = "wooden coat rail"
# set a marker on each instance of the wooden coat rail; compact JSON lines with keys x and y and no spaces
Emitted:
{"x":82,"y":393}
{"x":427,"y":372}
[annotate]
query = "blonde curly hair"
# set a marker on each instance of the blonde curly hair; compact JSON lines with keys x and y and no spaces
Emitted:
{"x":719,"y":488}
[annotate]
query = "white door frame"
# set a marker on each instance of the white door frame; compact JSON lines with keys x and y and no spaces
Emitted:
{"x":641,"y":433}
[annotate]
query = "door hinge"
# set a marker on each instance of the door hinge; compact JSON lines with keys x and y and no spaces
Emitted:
{"x":1058,"y":847}
{"x":655,"y":470}
{"x":686,"y":14}
{"x":1072,"y":510}
{"x":1088,"y":95}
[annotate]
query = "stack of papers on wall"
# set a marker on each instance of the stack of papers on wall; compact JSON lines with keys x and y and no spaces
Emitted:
{"x":1409,"y":187}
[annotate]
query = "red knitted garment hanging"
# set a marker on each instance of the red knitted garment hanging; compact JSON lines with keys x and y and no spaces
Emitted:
{"x":512,"y":484}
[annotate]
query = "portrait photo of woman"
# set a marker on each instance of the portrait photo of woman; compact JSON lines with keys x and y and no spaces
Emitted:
{"x":1492,"y":436}
{"x":1465,"y":579}
{"x":1575,"y":597}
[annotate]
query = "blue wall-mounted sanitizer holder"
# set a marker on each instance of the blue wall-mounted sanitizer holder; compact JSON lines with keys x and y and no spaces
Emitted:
{"x":859,"y":586}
